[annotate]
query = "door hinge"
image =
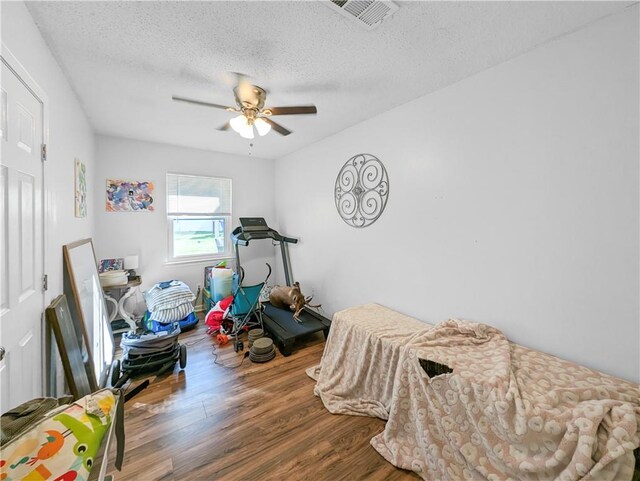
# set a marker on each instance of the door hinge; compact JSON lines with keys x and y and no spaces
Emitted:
{"x":43,"y":152}
{"x":45,"y":282}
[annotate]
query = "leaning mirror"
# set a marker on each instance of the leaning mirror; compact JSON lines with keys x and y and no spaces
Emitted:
{"x":82,"y":287}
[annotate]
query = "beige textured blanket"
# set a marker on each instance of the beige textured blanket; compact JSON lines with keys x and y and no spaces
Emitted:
{"x":357,"y":371}
{"x":505,"y":413}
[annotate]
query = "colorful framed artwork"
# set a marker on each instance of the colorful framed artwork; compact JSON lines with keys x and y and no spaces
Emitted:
{"x":129,"y":196}
{"x":111,"y":265}
{"x":80,"y":176}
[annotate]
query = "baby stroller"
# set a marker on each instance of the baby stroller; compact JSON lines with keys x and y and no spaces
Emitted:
{"x":148,"y":351}
{"x":246,"y":310}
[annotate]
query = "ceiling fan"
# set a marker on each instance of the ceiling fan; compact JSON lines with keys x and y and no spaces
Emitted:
{"x":250,"y":101}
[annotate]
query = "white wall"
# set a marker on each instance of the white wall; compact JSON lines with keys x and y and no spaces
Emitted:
{"x":70,"y":137}
{"x":145,"y":233}
{"x":513,"y":201}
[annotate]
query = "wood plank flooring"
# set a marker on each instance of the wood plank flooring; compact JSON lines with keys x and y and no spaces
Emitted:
{"x":254,"y":422}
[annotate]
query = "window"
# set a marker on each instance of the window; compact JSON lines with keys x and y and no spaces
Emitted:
{"x":199,"y":217}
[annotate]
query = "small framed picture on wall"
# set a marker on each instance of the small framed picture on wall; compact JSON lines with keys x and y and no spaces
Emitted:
{"x":80,"y":183}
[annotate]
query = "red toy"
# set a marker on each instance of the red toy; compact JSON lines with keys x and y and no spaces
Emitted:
{"x":217,"y":314}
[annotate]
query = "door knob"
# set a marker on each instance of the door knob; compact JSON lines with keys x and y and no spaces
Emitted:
{"x":2,"y":353}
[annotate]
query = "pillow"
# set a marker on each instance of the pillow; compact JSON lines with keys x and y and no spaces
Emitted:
{"x":172,"y":314}
{"x":64,"y":443}
{"x":168,"y":294}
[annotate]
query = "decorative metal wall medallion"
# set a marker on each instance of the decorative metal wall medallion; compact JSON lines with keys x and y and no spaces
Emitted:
{"x":362,"y":189}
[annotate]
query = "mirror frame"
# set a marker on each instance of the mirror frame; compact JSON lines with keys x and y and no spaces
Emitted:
{"x":98,"y":369}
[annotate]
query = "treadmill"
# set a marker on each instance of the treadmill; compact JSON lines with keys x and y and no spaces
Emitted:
{"x":280,"y":323}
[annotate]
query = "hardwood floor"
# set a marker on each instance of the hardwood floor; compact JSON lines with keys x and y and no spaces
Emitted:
{"x":255,"y":422}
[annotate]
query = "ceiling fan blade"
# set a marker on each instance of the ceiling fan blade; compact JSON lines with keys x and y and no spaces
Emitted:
{"x":200,"y":102}
{"x":224,"y":127}
{"x":277,"y":127}
{"x":307,"y":109}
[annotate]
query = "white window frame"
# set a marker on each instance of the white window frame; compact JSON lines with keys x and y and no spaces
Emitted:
{"x":227,"y":254}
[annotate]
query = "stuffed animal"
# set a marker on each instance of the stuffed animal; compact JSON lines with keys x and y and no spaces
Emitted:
{"x":290,"y":297}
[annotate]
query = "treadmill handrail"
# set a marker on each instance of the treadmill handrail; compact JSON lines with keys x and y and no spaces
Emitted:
{"x":290,"y":240}
{"x":242,"y":238}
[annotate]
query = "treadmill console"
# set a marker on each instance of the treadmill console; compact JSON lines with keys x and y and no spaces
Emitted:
{"x":253,"y":224}
{"x":251,"y":228}
{"x":256,"y":228}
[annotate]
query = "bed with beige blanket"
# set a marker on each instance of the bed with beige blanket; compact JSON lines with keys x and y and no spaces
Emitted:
{"x":505,"y":412}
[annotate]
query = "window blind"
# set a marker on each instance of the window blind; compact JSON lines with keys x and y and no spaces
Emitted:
{"x":197,"y":195}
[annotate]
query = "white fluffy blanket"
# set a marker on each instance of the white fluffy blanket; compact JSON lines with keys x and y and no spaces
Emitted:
{"x":505,"y":413}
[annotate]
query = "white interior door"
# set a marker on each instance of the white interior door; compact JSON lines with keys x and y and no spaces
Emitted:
{"x":21,"y":250}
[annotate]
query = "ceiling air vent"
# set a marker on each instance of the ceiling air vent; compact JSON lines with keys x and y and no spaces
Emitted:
{"x":369,"y":14}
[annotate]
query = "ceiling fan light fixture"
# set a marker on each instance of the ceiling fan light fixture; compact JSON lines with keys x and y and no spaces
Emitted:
{"x":238,"y":123}
{"x":241,"y":125}
{"x":248,"y":133}
{"x":250,"y":100}
{"x":262,"y":126}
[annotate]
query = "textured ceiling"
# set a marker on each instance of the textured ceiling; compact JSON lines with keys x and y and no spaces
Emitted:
{"x":126,"y":59}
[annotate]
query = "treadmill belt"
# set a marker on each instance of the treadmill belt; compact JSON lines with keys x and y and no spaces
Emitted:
{"x":290,"y":327}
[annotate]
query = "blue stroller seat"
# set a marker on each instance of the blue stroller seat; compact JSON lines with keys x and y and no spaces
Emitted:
{"x":246,"y":310}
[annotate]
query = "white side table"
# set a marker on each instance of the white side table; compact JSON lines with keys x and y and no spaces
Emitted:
{"x":119,"y":305}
